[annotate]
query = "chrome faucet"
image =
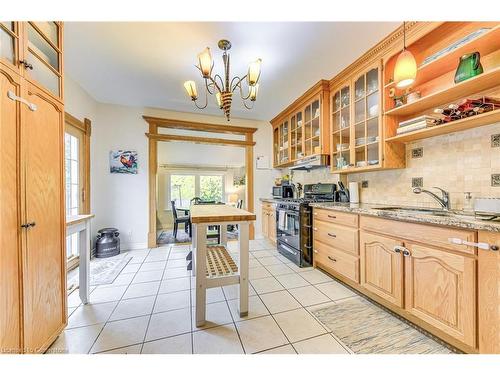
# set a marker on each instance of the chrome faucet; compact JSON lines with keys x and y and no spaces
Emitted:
{"x":444,"y":201}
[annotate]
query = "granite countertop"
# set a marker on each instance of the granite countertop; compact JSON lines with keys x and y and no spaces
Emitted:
{"x":270,"y":200}
{"x":457,"y":220}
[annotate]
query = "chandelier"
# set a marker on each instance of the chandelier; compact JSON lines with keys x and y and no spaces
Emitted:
{"x":224,"y":87}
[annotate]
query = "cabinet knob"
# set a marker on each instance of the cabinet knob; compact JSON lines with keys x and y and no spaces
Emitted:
{"x":316,"y":251}
{"x":26,"y":64}
{"x":406,"y":252}
{"x":494,"y":247}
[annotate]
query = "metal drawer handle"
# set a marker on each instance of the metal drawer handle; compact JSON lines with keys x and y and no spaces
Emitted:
{"x":332,"y":259}
{"x":398,"y":249}
{"x":28,"y":225}
{"x":332,"y":235}
{"x":479,"y":245}
{"x":11,"y":95}
{"x":332,"y":217}
{"x":26,"y":64}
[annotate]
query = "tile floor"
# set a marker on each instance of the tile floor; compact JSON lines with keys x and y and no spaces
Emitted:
{"x":149,"y":308}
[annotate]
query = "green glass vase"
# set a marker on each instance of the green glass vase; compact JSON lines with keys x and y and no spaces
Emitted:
{"x":469,"y":66}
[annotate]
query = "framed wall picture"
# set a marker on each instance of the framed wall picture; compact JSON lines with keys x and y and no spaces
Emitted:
{"x":123,"y":161}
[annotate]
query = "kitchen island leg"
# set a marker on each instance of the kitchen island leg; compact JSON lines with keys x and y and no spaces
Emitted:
{"x":243,"y":267}
{"x":201,"y":275}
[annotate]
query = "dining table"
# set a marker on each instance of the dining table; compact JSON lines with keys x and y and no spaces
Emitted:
{"x":217,"y":265}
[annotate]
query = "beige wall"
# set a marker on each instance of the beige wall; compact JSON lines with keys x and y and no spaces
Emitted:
{"x":459,"y":162}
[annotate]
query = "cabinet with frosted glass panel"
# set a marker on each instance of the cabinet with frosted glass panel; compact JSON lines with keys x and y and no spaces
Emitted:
{"x":301,"y":130}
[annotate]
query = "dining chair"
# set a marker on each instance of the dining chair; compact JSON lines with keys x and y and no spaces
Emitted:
{"x":180,"y":220}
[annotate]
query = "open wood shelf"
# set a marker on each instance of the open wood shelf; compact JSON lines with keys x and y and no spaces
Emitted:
{"x":468,"y":88}
{"x":450,"y":127}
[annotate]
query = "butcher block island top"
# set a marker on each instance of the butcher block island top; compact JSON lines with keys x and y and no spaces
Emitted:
{"x":212,"y":213}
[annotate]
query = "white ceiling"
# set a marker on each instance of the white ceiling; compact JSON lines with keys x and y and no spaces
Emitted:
{"x":146,"y":63}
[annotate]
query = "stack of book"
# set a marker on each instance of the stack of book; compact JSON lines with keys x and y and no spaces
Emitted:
{"x":416,"y":123}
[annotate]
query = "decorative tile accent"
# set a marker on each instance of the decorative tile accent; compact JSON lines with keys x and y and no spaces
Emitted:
{"x":417,"y":152}
{"x":495,"y":140}
{"x":495,"y":180}
{"x":417,"y":182}
{"x":364,"y":184}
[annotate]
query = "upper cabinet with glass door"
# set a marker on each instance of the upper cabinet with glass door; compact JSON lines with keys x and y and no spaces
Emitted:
{"x":301,"y":130}
{"x":42,"y":60}
{"x":9,"y":44}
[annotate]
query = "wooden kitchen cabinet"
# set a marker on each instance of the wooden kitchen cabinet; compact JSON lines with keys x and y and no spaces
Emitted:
{"x":302,"y":129}
{"x":32,"y":243}
{"x":440,"y":289}
{"x":382,"y":267}
{"x":269,"y":221}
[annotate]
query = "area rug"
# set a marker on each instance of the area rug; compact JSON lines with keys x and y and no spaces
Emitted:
{"x":103,"y":270}
{"x":368,"y":329}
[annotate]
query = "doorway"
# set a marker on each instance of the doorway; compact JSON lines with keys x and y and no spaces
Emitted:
{"x":168,"y":130}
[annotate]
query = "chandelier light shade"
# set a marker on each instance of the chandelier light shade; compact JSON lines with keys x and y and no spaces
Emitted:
{"x":223,"y":87}
{"x":405,"y":71}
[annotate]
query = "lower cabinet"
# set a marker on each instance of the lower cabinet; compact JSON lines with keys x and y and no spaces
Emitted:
{"x":382,"y":267}
{"x":440,"y":288}
{"x":269,"y":221}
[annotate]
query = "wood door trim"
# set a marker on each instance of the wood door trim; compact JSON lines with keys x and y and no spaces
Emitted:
{"x":154,"y":138}
{"x":200,"y":140}
{"x":198,"y":126}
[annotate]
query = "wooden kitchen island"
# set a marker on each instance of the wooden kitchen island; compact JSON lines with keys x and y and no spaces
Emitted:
{"x":213,"y":264}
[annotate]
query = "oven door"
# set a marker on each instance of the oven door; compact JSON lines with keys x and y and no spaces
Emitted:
{"x":288,"y":227}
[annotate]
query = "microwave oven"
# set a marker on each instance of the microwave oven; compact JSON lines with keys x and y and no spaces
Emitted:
{"x":283,"y":191}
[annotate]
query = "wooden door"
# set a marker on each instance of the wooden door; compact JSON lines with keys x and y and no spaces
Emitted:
{"x":44,"y":254}
{"x":382,"y":267}
{"x":440,"y":288}
{"x":10,"y":275}
{"x":272,"y":225}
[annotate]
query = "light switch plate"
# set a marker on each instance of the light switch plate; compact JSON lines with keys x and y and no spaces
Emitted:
{"x":417,"y":182}
{"x":495,"y":140}
{"x":417,"y":152}
{"x":495,"y":180}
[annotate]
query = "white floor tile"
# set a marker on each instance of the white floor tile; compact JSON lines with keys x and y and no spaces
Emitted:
{"x":263,"y":253}
{"x":260,"y":334}
{"x":324,"y":344}
{"x":269,"y":261}
{"x":147,"y":276}
{"x":91,"y":314}
{"x":122,"y":279}
{"x":277,"y":302}
{"x":315,"y":276}
{"x":130,"y":308}
{"x":176,"y":263}
{"x":299,"y":325}
{"x":153,"y":266}
{"x":107,"y":294}
{"x":142,"y":290}
{"x":132,"y":349}
{"x":74,"y":299}
{"x":232,"y":291}
{"x":76,"y":340}
{"x":172,"y":301}
{"x":256,"y":308}
{"x":156,"y":257}
{"x":180,"y":344}
{"x":168,"y":324}
{"x":258,"y":273}
{"x":174,"y":273}
{"x":131,"y":268}
{"x":175,"y":285}
{"x":266,"y":285}
{"x":335,"y":290}
{"x":279,"y":269}
{"x":308,"y":295}
{"x":212,"y":295}
{"x":216,"y":314}
{"x":137,"y":259}
{"x":291,"y":280}
{"x":285,"y":349}
{"x":121,"y":333}
{"x":219,"y":340}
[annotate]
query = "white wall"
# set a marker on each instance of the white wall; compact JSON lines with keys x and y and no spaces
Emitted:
{"x":121,"y":201}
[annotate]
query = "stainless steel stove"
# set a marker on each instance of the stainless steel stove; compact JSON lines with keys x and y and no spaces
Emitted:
{"x":294,"y":223}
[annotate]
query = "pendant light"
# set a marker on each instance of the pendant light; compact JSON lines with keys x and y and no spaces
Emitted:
{"x":405,"y":70}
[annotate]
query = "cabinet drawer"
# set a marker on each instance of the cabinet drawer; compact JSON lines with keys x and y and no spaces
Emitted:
{"x":268,"y":206}
{"x":428,"y":234}
{"x":338,"y":236}
{"x":336,"y":217}
{"x":336,"y":261}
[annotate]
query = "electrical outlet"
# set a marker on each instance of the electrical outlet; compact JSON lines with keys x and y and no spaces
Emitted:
{"x":417,"y":152}
{"x":495,"y":180}
{"x":364,"y":184}
{"x":417,"y":182}
{"x":495,"y":140}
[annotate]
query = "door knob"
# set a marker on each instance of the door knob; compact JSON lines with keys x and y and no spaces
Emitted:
{"x":406,"y":253}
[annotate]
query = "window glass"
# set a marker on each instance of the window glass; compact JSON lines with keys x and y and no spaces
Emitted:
{"x":211,"y":188}
{"x":72,"y":165}
{"x":182,"y":189}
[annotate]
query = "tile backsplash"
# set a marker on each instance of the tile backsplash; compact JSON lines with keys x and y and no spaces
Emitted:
{"x":460,"y":162}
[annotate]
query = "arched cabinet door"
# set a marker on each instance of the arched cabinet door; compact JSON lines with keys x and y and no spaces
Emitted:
{"x":10,"y":256}
{"x":441,"y":290}
{"x":382,"y":267}
{"x":44,"y":275}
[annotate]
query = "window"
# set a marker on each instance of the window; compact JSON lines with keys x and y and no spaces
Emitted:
{"x":72,"y":174}
{"x":186,"y":186}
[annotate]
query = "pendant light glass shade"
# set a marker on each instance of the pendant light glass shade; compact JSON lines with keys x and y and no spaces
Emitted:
{"x":205,"y":61}
{"x":254,"y":90}
{"x":218,"y":97}
{"x":190,"y":87}
{"x":405,"y":70}
{"x":254,"y":72}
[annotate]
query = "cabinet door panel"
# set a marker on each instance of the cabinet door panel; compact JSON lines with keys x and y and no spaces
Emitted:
{"x":10,"y":294}
{"x":44,"y":265}
{"x":441,"y":290}
{"x":382,"y":267}
{"x":265,"y":223}
{"x":272,"y":226}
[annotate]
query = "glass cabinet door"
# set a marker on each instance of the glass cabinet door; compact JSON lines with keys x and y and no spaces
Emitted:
{"x":341,"y":121}
{"x":276,"y":145}
{"x":44,"y":55}
{"x":312,"y":132}
{"x":366,"y":119}
{"x":283,"y":143}
{"x":296,"y":136}
{"x":8,"y":41}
